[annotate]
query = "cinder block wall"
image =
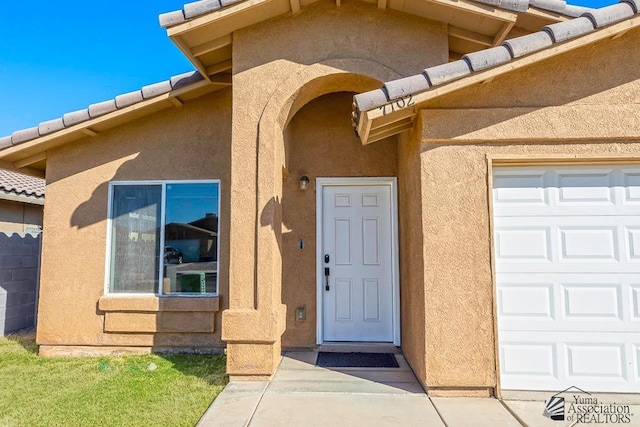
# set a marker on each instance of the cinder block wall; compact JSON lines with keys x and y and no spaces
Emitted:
{"x":19,"y":254}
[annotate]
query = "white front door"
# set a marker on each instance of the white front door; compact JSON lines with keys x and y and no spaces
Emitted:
{"x":357,"y":246}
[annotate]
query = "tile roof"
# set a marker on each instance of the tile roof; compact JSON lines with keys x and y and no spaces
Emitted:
{"x":19,"y":184}
{"x":511,"y":49}
{"x":193,"y":10}
{"x":202,"y":7}
{"x":100,"y":109}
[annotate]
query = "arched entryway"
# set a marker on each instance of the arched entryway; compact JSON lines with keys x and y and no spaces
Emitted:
{"x":310,"y":110}
{"x":346,"y":213}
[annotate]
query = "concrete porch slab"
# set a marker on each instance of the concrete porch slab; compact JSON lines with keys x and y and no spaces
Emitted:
{"x":530,"y":413}
{"x":470,"y":411}
{"x":344,"y":409}
{"x":302,"y":394}
{"x":341,"y":387}
{"x":235,"y":406}
{"x":298,"y":360}
{"x":321,"y":374}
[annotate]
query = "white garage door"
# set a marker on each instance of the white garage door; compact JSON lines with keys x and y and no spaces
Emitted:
{"x":567,"y":255}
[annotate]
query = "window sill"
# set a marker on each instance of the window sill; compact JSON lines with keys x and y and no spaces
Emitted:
{"x":150,"y":314}
{"x":155,"y":303}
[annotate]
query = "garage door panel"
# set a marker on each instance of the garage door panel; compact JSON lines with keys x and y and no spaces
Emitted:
{"x":567,"y":191}
{"x":585,"y":187}
{"x":524,"y":244}
{"x":632,"y":243}
{"x":555,"y":244}
{"x":636,"y":362}
{"x":635,"y":302}
{"x":591,"y":301}
{"x":568,"y":302}
{"x":527,"y":301}
{"x":588,"y":243}
{"x":631,"y":185}
{"x":528,"y":188}
{"x":556,"y":360}
{"x":592,"y":361}
{"x":567,"y":258}
{"x":568,"y":211}
{"x":534,"y":360}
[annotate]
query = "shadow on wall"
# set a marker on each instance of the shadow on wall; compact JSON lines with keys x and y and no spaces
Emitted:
{"x":20,"y":255}
{"x":271,"y":217}
{"x":192,"y":142}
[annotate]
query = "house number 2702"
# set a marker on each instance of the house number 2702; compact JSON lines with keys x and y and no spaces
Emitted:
{"x":400,"y":103}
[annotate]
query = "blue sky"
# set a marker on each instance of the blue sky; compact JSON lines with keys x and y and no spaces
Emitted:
{"x":61,"y":56}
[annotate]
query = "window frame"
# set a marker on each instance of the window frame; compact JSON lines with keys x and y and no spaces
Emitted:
{"x":163,"y":201}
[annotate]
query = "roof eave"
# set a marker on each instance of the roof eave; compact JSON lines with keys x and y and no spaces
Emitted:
{"x":206,"y":40}
{"x":30,"y":156}
{"x":211,"y":33}
{"x":390,"y":119}
{"x":21,"y":198}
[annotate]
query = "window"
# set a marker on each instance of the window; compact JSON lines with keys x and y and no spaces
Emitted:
{"x":163,"y":237}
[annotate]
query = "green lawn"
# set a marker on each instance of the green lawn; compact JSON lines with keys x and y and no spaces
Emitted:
{"x":149,"y":390}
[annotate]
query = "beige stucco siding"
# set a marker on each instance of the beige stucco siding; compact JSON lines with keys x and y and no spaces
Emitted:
{"x":412,"y":251}
{"x":515,"y":116}
{"x":190,"y":142}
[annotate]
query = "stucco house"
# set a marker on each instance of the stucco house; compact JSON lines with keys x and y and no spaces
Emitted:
{"x":21,"y":202}
{"x":484,"y":217}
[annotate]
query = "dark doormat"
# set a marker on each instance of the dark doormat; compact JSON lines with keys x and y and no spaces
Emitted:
{"x":356,"y":360}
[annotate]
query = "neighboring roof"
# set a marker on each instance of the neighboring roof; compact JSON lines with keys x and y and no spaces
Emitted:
{"x":19,"y":184}
{"x":202,"y":7}
{"x":402,"y":96}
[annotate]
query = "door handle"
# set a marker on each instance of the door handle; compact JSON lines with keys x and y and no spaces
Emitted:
{"x":326,"y":278}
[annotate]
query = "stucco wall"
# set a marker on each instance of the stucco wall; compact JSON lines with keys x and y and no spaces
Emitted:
{"x":412,"y":289}
{"x":189,"y":142}
{"x":320,"y":143}
{"x":460,"y":338}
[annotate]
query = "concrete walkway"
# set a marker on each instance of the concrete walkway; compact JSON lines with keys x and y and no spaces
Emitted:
{"x":302,"y":394}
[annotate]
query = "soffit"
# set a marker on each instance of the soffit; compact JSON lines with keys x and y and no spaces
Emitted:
{"x":207,"y":39}
{"x":391,"y":110}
